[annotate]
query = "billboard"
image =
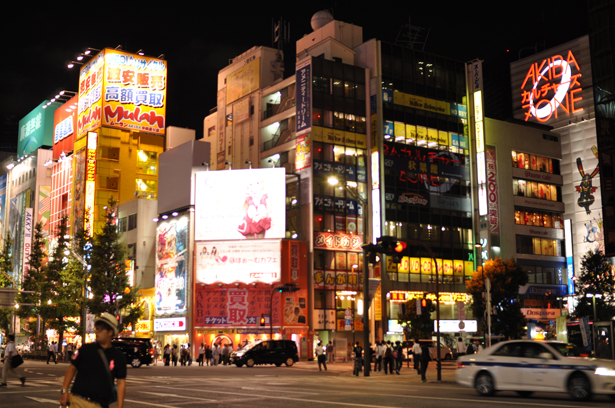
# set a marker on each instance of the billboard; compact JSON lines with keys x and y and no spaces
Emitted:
{"x":36,"y":129}
{"x":240,"y":204}
{"x":243,"y":81}
{"x":171,"y":266}
{"x":17,"y":212}
{"x":304,"y":96}
{"x":238,"y":261}
{"x":65,"y":127}
{"x":2,"y":201}
{"x":122,"y":90}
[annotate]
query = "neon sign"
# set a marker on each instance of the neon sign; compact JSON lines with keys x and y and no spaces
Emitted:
{"x":551,"y":85}
{"x":90,"y":182}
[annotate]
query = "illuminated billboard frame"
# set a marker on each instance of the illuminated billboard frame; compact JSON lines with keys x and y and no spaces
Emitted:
{"x":240,"y":204}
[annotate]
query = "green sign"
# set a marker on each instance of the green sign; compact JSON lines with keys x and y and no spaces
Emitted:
{"x":36,"y":129}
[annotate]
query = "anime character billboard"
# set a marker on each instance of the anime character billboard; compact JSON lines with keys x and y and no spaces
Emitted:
{"x":586,"y":190}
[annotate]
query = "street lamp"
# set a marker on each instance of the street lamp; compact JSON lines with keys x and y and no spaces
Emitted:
{"x":487,"y":284}
{"x":593,"y":298}
{"x":366,"y":367}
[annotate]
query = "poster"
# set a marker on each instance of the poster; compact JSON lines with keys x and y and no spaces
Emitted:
{"x":171,"y":266}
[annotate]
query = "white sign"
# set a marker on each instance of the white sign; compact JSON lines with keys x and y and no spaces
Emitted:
{"x":395,"y":327}
{"x":238,"y":261}
{"x":27,"y":240}
{"x":170,"y":324}
{"x":240,"y":204}
{"x":319,"y":322}
{"x":540,"y":314}
{"x":89,"y":323}
{"x":454,"y":326}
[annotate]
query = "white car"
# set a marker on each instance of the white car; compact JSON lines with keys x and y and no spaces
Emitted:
{"x":527,"y":366}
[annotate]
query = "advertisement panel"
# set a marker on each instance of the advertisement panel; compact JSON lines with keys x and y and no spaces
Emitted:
{"x":27,"y":239}
{"x":90,"y":94}
{"x":16,"y":229}
{"x":171,"y":266}
{"x":134,"y":92}
{"x":65,"y":127}
{"x":79,"y":190}
{"x":244,"y":307}
{"x":241,"y":111}
{"x":170,"y":324}
{"x":44,"y":208}
{"x":238,"y":261}
{"x":304,"y":96}
{"x":36,"y":129}
{"x":303,"y":152}
{"x":337,"y":242}
{"x":221,"y":128}
{"x":240,"y":204}
{"x":492,"y":193}
{"x":2,"y":201}
{"x":243,"y":81}
{"x":90,"y":182}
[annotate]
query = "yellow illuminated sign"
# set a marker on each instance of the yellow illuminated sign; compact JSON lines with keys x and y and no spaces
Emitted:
{"x":243,"y":81}
{"x":90,"y":182}
{"x":445,"y":297}
{"x":143,"y":326}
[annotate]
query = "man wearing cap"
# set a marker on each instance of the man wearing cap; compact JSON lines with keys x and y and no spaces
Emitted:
{"x":93,"y":365}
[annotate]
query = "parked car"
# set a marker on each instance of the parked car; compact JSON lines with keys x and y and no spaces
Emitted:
{"x":276,"y":352}
{"x":527,"y":366}
{"x":445,"y":351}
{"x":138,"y":351}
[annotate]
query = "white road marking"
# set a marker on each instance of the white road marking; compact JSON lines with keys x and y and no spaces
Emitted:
{"x":42,"y":400}
{"x":151,"y":404}
{"x":177,"y":396}
{"x":262,"y":389}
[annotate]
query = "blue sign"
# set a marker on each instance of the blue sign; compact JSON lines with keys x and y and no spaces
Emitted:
{"x":304,"y":104}
{"x":387,"y":96}
{"x":388,"y":127}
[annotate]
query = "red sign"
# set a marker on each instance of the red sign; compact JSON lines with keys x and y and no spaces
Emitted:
{"x":492,"y":193}
{"x":65,"y":127}
{"x":337,"y":242}
{"x":552,"y":87}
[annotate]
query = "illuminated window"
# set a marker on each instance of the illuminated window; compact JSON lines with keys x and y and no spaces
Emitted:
{"x":147,"y":162}
{"x":147,"y":188}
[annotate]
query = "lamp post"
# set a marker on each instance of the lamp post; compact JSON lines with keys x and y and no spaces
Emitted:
{"x":593,"y":298}
{"x":367,"y":356}
{"x":487,"y":284}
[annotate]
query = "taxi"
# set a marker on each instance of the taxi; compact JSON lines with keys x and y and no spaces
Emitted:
{"x":527,"y":366}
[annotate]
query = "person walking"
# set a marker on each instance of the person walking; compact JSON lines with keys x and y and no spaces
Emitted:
{"x":330,"y":352}
{"x":225,"y":354}
{"x":425,"y":357}
{"x":378,"y":362}
{"x":416,"y":355}
{"x":167,"y":355}
{"x":479,"y":347}
{"x":320,"y":356}
{"x":388,"y":357}
{"x":398,"y":356}
{"x":9,"y":352}
{"x":215,"y":354}
{"x":156,"y":354}
{"x":97,"y":367}
{"x":51,"y":353}
{"x":358,"y":359}
{"x":208,"y":354}
{"x":183,"y":352}
{"x":69,"y":351}
{"x":174,"y":355}
{"x":461,"y":348}
{"x":470,"y":349}
{"x":201,"y":355}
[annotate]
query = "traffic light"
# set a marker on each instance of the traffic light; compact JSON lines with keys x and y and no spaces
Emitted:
{"x":262,"y":320}
{"x":425,"y":306}
{"x":390,"y":246}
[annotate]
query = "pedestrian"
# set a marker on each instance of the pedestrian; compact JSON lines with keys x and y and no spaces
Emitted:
{"x":330,"y":352}
{"x":416,"y":355}
{"x":69,"y":351}
{"x":320,"y":356}
{"x":225,"y":354}
{"x":425,"y":357}
{"x":398,"y":356}
{"x":167,"y":354}
{"x":189,"y":354}
{"x":378,"y":362}
{"x":470,"y":348}
{"x":358,"y":359}
{"x":215,"y":354}
{"x":51,"y":353}
{"x":479,"y":347}
{"x":183,"y":356}
{"x":388,"y":357}
{"x":461,"y":348}
{"x":208,"y":354}
{"x":201,"y":354}
{"x":10,"y":351}
{"x":97,"y":366}
{"x":174,"y":355}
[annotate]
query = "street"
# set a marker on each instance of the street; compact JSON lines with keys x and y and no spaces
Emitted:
{"x":268,"y":386}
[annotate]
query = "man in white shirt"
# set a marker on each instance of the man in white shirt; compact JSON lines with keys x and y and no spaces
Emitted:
{"x":416,"y":355}
{"x":9,"y":352}
{"x":379,"y":350}
{"x":461,"y":347}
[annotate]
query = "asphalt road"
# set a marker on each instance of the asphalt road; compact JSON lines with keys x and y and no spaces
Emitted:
{"x":268,"y":386}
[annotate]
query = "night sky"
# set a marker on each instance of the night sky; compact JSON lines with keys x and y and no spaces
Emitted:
{"x":199,"y":39}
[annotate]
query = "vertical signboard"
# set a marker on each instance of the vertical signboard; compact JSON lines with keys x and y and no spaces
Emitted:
{"x":303,"y":152}
{"x":2,"y":202}
{"x":221,"y":128}
{"x":27,"y":239}
{"x":36,"y":129}
{"x":493,"y":194}
{"x":90,"y":182}
{"x":90,"y":94}
{"x":171,"y":266}
{"x":304,"y":97}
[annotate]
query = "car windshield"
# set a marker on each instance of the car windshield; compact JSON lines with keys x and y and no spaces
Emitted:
{"x":249,"y":346}
{"x":566,"y":349}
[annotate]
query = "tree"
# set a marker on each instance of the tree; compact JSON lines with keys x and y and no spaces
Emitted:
{"x":596,"y":277}
{"x":6,"y":266}
{"x":416,"y":326}
{"x":506,"y":277}
{"x":110,"y":289}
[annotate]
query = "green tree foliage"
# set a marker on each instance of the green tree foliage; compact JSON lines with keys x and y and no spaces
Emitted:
{"x":596,"y":277}
{"x":506,"y":277}
{"x":6,"y":266}
{"x":416,"y":326}
{"x":110,"y":290}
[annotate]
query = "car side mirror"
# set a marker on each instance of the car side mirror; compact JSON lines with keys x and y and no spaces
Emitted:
{"x":544,"y":356}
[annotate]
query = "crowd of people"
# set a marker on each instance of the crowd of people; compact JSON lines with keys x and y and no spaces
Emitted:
{"x":217,"y":354}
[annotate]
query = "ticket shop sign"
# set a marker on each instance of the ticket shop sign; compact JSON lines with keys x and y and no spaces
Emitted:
{"x":123,"y":90}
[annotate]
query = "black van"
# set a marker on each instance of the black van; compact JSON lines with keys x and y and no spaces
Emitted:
{"x":137,"y":350}
{"x":276,"y":352}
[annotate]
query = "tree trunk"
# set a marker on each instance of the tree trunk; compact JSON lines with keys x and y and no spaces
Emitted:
{"x":61,"y":335}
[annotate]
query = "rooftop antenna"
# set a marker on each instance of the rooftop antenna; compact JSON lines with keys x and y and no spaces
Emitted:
{"x":280,"y":35}
{"x":413,"y":37}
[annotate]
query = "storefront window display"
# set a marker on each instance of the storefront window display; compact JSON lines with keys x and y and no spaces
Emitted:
{"x":534,"y":162}
{"x":539,"y":219}
{"x":532,"y":189}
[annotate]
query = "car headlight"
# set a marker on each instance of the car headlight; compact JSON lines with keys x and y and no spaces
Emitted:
{"x":605,"y":371}
{"x":239,"y":355}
